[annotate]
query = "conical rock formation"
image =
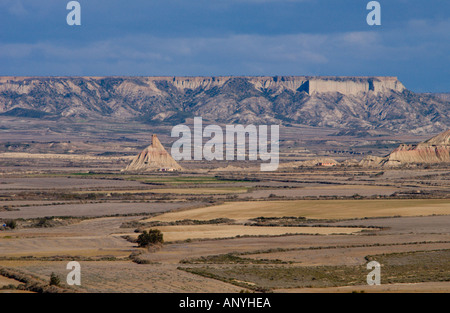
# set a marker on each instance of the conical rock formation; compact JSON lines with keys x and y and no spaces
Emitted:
{"x":153,"y":158}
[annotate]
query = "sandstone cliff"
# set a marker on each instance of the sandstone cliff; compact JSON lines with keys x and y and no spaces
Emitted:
{"x":432,"y":151}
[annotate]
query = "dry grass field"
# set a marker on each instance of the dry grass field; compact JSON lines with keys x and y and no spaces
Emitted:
{"x":434,"y":287}
{"x":313,"y":209}
{"x":177,"y":191}
{"x":126,"y":277}
{"x":335,"y":190}
{"x":180,"y":233}
{"x":42,"y":182}
{"x":342,"y":257}
{"x":87,"y":209}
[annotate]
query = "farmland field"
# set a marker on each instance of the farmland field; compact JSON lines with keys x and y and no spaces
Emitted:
{"x":229,"y":232}
{"x":176,"y":233}
{"x":315,"y":209}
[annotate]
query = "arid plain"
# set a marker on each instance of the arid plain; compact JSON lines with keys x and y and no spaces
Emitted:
{"x":306,"y":228}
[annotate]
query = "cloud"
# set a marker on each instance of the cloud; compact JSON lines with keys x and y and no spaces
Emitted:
{"x":143,"y":54}
{"x":233,"y":54}
{"x":14,"y":7}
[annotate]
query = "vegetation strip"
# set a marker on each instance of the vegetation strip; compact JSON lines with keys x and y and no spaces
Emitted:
{"x":233,"y":257}
{"x":32,"y":283}
{"x":408,"y":267}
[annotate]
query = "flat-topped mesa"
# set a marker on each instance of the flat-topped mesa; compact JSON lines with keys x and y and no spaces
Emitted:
{"x":153,"y":158}
{"x":310,"y":84}
{"x":347,"y":85}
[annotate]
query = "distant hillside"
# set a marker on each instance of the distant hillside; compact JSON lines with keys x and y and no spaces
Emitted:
{"x":360,"y":103}
{"x":443,"y":96}
{"x":431,"y":151}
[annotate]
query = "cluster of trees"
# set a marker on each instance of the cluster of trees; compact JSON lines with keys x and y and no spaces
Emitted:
{"x":152,"y":237}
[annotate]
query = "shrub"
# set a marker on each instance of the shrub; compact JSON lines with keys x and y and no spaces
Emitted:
{"x":11,"y":224}
{"x":54,"y":280}
{"x":153,"y":236}
{"x":8,"y":287}
{"x":44,"y":222}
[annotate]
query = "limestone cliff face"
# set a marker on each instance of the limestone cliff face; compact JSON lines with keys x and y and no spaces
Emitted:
{"x":343,"y":102}
{"x":343,"y":85}
{"x":354,"y":86}
{"x":309,"y":84}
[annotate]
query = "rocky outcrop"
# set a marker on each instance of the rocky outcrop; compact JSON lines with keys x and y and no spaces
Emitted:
{"x":372,"y":161}
{"x":320,"y":162}
{"x":432,"y":151}
{"x":367,"y":103}
{"x":353,"y":86}
{"x":153,"y":158}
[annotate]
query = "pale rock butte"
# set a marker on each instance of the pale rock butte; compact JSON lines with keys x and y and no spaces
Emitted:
{"x":153,"y":158}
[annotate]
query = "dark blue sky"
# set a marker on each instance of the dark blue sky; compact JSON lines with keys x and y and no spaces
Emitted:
{"x":229,"y":37}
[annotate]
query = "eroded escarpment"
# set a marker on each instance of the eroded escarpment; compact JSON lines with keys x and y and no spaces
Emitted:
{"x":323,"y":101}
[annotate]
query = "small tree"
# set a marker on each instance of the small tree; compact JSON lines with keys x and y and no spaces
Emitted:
{"x":54,"y":280}
{"x":153,"y":236}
